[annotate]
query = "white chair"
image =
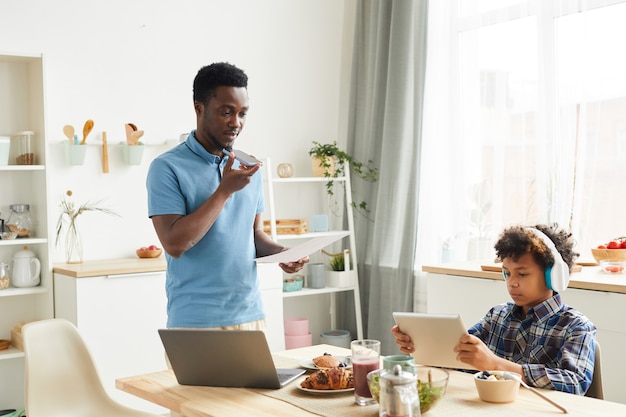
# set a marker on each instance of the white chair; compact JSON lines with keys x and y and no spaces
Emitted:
{"x":60,"y":377}
{"x":596,"y":389}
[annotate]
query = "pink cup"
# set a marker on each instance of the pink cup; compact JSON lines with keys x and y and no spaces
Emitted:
{"x":297,"y":326}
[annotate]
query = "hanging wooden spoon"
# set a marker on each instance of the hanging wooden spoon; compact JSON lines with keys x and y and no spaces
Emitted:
{"x":69,"y":133}
{"x":136,"y":136}
{"x":86,"y":130}
{"x":129,"y":133}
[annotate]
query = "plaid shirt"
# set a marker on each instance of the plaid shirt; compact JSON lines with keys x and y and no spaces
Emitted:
{"x":554,"y":343}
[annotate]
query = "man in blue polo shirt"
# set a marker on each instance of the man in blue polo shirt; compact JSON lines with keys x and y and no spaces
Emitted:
{"x":206,"y":209}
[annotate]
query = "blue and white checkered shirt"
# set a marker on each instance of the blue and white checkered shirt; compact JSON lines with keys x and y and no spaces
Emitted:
{"x":554,"y":343}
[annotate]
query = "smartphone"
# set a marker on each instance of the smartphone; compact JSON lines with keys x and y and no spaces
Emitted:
{"x":243,"y":157}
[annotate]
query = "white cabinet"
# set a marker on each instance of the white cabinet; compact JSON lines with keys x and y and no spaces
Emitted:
{"x":118,"y":317}
{"x":22,"y":109}
{"x":314,"y":185}
{"x":271,"y":286}
{"x":473,"y":297}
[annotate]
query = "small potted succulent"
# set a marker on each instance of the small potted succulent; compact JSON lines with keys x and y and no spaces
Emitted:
{"x":340,"y":274}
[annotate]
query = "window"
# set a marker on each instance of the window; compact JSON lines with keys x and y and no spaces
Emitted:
{"x":525,"y":123}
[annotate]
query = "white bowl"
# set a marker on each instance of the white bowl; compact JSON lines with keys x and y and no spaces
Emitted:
{"x":496,"y":390}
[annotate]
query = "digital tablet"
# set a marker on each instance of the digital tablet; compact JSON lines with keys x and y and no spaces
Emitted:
{"x":434,"y":337}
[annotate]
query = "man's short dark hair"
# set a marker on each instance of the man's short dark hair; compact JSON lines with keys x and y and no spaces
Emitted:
{"x":219,"y":74}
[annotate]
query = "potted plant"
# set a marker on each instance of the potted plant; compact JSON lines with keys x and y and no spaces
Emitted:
{"x":329,"y":161}
{"x":340,"y":274}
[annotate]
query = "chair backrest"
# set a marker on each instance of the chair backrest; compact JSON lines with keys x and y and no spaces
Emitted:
{"x":595,"y":389}
{"x":59,"y":370}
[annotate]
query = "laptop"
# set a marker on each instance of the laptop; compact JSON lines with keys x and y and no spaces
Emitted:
{"x":434,"y":336}
{"x":224,"y":358}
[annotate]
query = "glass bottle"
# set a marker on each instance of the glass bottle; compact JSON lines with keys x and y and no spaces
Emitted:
{"x":20,"y":220}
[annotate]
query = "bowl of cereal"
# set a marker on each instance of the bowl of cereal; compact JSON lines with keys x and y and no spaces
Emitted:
{"x":493,"y":387}
{"x":431,"y":385}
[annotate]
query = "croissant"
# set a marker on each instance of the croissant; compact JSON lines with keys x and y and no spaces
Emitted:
{"x":329,"y":379}
{"x":326,"y":361}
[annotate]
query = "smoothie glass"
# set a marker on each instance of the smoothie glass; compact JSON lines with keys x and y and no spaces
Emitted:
{"x":365,"y":358}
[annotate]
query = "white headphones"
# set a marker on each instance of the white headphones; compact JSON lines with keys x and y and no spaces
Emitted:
{"x":557,"y":275}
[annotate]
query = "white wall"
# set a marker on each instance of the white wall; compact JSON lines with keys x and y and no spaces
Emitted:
{"x":121,"y":61}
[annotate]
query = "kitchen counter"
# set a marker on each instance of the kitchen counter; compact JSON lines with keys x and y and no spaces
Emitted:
{"x":111,"y":267}
{"x":589,"y":278}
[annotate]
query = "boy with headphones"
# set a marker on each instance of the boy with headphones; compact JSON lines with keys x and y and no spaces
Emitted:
{"x":551,"y":345}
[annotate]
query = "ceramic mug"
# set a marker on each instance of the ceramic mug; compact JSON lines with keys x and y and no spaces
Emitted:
{"x":406,"y":361}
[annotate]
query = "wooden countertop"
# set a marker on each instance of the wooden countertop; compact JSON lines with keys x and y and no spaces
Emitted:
{"x":461,"y":397}
{"x":111,"y":267}
{"x":589,"y":278}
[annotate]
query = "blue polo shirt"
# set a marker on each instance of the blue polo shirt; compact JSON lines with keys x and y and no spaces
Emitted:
{"x":215,"y":282}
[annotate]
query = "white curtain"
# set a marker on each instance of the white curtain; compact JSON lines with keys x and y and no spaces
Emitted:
{"x":520,"y":121}
{"x":385,"y":126}
{"x":523,"y":124}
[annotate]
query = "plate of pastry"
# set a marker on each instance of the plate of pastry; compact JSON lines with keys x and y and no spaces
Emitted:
{"x":327,"y":361}
{"x":327,"y":381}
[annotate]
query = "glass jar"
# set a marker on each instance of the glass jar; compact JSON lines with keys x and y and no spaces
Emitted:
{"x":398,"y":394}
{"x":20,"y":220}
{"x":25,"y":154}
{"x":285,"y":170}
{"x":4,"y":275}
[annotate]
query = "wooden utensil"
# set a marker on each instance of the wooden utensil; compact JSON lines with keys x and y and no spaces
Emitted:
{"x":105,"y":153}
{"x":137,"y":134}
{"x":69,"y":133}
{"x":130,"y":128}
{"x":498,"y":268}
{"x":86,"y":130}
{"x":517,"y":377}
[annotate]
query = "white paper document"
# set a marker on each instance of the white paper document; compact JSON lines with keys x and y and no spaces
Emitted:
{"x":302,"y":250}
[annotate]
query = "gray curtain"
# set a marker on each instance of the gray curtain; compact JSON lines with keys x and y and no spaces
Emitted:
{"x":385,"y":126}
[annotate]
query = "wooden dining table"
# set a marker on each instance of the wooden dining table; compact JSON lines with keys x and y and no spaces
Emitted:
{"x":461,"y":397}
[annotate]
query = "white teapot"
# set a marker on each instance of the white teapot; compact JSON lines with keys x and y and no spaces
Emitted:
{"x":26,"y":269}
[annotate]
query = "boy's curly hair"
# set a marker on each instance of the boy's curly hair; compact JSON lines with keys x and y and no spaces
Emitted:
{"x":517,"y":241}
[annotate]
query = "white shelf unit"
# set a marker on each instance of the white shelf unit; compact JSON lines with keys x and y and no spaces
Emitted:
{"x":22,"y":109}
{"x":319,"y":182}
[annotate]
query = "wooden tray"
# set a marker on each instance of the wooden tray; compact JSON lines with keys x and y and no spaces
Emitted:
{"x":287,"y":226}
{"x":498,"y":268}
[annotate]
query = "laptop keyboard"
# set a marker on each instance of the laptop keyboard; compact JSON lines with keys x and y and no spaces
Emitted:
{"x":283,"y":376}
